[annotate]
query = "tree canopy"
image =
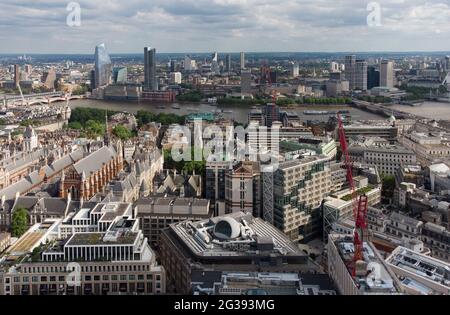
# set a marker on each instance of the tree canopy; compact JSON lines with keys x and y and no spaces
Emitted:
{"x":122,"y":133}
{"x":19,"y":224}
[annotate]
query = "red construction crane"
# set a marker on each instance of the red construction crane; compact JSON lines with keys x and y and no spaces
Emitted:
{"x":266,"y":75}
{"x":359,"y":205}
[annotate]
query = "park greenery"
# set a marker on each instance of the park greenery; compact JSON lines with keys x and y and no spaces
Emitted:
{"x":29,"y":122}
{"x":187,"y":167}
{"x":375,"y":99}
{"x":122,"y":133}
{"x":420,"y":93}
{"x":19,"y":223}
{"x":90,"y":121}
{"x":144,"y":117}
{"x":314,"y":100}
{"x":285,"y":101}
{"x":192,"y":96}
{"x":83,"y":115}
{"x":81,"y":90}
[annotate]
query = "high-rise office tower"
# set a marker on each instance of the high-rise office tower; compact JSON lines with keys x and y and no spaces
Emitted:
{"x":120,"y":75}
{"x":334,"y":67}
{"x":16,"y":75}
{"x":175,"y":77}
{"x":294,"y":69}
{"x":228,"y":63}
{"x":350,"y":67}
{"x":246,"y":82}
{"x":189,"y":64}
{"x":215,"y":57}
{"x":28,"y":69}
{"x":387,"y":73}
{"x":103,"y":66}
{"x":361,"y":75}
{"x":242,"y":60}
{"x":49,"y":78}
{"x":373,"y":77}
{"x":172,"y":66}
{"x":272,"y":113}
{"x":92,"y":78}
{"x":151,"y":83}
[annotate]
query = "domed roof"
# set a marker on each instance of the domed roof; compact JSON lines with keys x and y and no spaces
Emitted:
{"x":227,"y":229}
{"x":392,"y":118}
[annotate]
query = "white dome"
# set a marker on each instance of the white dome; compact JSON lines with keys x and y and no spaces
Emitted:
{"x":227,"y":229}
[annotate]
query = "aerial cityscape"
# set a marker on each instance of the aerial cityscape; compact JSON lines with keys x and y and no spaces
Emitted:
{"x":148,"y":166}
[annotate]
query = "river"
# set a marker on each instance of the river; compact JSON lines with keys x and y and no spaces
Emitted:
{"x":432,"y":110}
{"x":238,"y":113}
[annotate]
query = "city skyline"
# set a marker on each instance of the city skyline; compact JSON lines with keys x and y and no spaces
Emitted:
{"x":200,"y":26}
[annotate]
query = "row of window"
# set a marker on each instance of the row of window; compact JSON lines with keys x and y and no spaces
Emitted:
{"x":26,"y":279}
{"x":95,"y":268}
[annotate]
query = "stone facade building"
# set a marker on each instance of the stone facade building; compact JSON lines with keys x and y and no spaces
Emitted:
{"x":90,"y":175}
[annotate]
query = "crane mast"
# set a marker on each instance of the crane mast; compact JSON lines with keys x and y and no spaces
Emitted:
{"x":359,"y":205}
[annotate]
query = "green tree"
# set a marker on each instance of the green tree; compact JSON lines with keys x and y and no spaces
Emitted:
{"x":95,"y":128}
{"x":19,"y":224}
{"x":388,"y":186}
{"x":75,"y":125}
{"x":122,"y":132}
{"x":192,"y":96}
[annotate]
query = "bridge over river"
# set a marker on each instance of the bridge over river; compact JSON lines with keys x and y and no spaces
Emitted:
{"x":37,"y":98}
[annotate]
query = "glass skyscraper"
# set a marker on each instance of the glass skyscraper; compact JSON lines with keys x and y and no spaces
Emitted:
{"x":120,"y":75}
{"x":151,"y":83}
{"x":103,"y":66}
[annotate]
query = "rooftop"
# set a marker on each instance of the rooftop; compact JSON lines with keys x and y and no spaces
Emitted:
{"x":376,"y":278}
{"x":127,"y":238}
{"x":234,"y":235}
{"x":427,"y":271}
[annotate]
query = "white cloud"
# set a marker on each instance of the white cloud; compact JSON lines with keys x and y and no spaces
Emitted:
{"x":224,"y":25}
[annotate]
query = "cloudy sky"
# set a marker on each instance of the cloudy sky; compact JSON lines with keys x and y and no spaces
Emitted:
{"x":40,"y":26}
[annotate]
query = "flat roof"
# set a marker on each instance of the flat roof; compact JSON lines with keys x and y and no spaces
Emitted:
{"x":202,"y":239}
{"x":26,"y":242}
{"x":421,"y":266}
{"x":127,"y":238}
{"x":381,"y":281}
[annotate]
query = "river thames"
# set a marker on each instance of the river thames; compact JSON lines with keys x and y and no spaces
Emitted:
{"x":432,"y":110}
{"x":238,"y":113}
